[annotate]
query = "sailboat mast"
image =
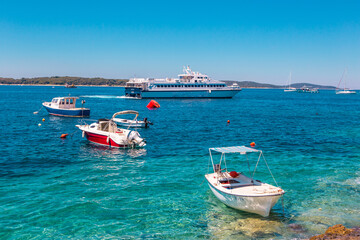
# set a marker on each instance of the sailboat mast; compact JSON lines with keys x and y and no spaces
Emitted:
{"x":290,"y":80}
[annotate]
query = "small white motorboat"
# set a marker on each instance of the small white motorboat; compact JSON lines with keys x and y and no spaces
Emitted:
{"x":66,"y":107}
{"x":239,"y":191}
{"x":134,"y":122}
{"x":106,"y":132}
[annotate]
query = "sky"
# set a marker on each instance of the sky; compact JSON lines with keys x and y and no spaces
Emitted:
{"x":252,"y":40}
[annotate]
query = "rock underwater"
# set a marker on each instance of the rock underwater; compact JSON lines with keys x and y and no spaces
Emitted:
{"x":339,"y":232}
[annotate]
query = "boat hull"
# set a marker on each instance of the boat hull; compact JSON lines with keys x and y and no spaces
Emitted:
{"x":68,"y":112}
{"x":254,"y":204}
{"x":129,"y":123}
{"x":103,"y":140}
{"x":182,"y":94}
{"x":345,"y":92}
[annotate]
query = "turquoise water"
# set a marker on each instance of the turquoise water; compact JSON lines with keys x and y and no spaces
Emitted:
{"x":70,"y":188}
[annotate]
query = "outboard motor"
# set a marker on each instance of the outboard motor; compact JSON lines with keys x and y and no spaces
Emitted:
{"x":134,"y":137}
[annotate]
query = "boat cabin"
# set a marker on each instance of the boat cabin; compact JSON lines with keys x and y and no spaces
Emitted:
{"x":63,"y":102}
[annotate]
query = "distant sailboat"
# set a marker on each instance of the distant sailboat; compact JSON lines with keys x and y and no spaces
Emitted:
{"x":290,"y":89}
{"x":346,"y":90}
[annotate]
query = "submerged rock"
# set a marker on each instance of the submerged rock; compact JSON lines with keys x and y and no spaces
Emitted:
{"x":339,"y":232}
{"x":296,"y":228}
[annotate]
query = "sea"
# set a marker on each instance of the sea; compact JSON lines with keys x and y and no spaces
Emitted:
{"x":54,"y":188}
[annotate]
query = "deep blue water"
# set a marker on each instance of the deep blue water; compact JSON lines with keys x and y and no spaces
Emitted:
{"x":70,"y":188}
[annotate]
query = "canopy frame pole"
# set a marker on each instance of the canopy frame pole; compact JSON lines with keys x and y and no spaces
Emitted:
{"x":257,"y":163}
{"x":269,"y":170}
{"x":212,"y":162}
{"x":135,"y":118}
{"x":225,"y":163}
{"x":248,"y":162}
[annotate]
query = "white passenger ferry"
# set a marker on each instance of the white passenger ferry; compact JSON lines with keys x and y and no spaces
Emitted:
{"x":189,"y":85}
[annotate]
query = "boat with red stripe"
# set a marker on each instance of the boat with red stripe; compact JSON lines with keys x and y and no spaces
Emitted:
{"x":106,"y":132}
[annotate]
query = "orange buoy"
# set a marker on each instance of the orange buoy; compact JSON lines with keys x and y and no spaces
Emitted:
{"x":153,"y":104}
{"x":43,"y":119}
{"x":228,"y":121}
{"x":63,"y":135}
{"x":252,"y":144}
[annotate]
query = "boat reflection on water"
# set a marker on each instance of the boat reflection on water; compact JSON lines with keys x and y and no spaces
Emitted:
{"x":114,"y":153}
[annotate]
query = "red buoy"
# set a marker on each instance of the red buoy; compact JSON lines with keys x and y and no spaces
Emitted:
{"x":63,"y":135}
{"x":252,"y":144}
{"x":153,"y":104}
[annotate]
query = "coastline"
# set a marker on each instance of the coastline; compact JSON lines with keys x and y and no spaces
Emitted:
{"x":55,"y":85}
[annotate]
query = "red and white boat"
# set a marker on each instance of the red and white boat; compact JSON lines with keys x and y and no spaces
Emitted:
{"x":106,"y":132}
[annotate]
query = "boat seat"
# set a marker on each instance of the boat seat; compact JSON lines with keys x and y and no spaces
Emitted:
{"x":236,"y":185}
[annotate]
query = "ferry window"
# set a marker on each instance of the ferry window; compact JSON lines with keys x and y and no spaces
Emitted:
{"x":55,"y":101}
{"x":67,"y":101}
{"x":71,"y":101}
{"x":62,"y":101}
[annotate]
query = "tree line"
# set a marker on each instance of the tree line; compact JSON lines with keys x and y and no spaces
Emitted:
{"x":56,"y":80}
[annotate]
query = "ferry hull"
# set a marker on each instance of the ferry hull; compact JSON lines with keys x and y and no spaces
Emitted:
{"x":68,"y":112}
{"x":259,"y":205}
{"x":190,"y":94}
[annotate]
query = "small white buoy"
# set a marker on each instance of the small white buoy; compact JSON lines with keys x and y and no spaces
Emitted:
{"x":39,"y":124}
{"x":35,"y":112}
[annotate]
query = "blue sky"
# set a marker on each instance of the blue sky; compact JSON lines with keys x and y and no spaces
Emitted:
{"x":228,"y":40}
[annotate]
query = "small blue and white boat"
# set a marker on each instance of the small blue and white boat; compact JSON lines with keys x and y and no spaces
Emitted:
{"x":65,"y":106}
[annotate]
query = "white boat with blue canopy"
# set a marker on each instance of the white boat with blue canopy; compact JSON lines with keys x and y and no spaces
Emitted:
{"x":237,"y":190}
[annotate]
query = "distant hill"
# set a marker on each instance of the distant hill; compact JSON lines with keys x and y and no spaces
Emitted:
{"x":57,"y":80}
{"x":249,"y":84}
{"x":299,"y":85}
